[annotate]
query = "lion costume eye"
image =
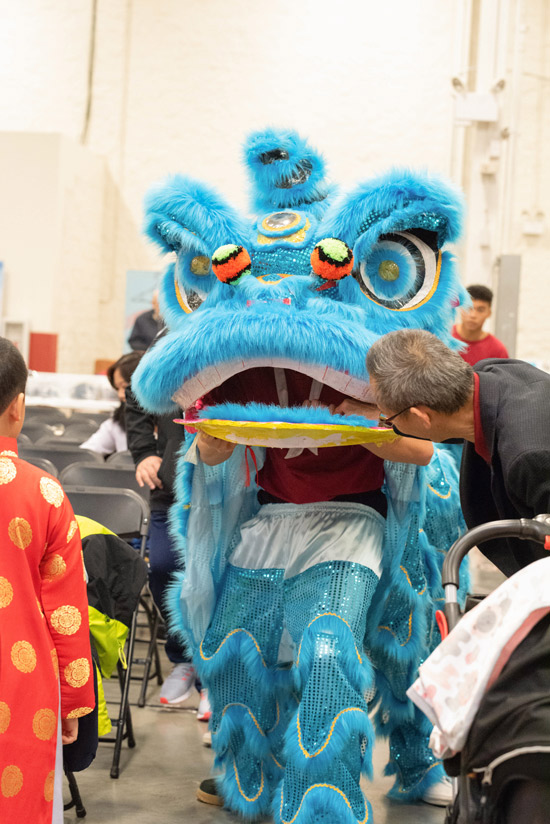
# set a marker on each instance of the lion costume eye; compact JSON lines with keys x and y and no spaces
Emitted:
{"x":401,"y":272}
{"x":188,"y":299}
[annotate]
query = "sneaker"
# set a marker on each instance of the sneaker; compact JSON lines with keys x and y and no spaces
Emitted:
{"x":208,"y":793}
{"x":179,"y":685}
{"x":440,"y":794}
{"x":204,"y":712}
{"x":207,"y":739}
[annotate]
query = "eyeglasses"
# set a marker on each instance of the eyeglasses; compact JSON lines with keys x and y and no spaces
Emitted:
{"x":387,"y":423}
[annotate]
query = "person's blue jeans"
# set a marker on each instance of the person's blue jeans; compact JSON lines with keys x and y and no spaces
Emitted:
{"x":162,"y":563}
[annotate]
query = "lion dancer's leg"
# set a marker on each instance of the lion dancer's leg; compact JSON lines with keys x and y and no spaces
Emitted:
{"x":236,"y":661}
{"x":329,"y":739}
{"x":403,"y":631}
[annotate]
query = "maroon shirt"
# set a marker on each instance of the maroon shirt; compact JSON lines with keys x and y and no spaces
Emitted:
{"x":476,"y":350}
{"x":334,"y":471}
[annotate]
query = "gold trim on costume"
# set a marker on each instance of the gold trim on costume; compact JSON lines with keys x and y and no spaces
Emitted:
{"x":77,"y":672}
{"x":66,"y":620}
{"x":20,"y":532}
{"x":23,"y":656}
{"x":7,"y":470}
{"x":51,"y":491}
{"x":73,"y":526}
{"x":11,"y":781}
{"x":44,"y":724}
{"x":79,"y":712}
{"x":6,"y":593}
{"x":5,"y":716}
{"x":54,"y":567}
{"x":49,"y":785}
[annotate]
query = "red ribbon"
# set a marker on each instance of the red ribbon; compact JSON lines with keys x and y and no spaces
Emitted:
{"x":248,"y":449}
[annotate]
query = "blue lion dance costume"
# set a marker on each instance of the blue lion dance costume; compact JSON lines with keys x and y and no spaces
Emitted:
{"x":297,"y":645}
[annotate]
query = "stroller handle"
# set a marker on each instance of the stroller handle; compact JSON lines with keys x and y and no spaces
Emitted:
{"x":526,"y":529}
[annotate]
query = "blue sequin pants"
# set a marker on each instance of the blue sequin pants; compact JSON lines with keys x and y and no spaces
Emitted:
{"x":283,"y":661}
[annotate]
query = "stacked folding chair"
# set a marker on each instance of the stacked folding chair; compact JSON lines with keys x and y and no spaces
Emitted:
{"x":80,"y":474}
{"x":125,"y":513}
{"x":61,"y":455}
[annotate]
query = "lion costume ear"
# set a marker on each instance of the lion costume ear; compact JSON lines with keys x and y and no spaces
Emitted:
{"x":397,"y":226}
{"x":185,"y":217}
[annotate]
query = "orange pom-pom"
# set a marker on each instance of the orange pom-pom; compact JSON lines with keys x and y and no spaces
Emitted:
{"x":230,"y":263}
{"x":332,"y":259}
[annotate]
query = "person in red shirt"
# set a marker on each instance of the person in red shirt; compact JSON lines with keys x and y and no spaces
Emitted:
{"x":46,"y":676}
{"x":480,"y":344}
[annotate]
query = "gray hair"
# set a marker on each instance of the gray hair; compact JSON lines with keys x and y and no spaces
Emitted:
{"x":414,"y":367}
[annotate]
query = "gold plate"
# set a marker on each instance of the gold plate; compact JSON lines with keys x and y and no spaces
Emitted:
{"x":290,"y":435}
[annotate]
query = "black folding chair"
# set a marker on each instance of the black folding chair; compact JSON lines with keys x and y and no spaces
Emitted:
{"x":121,"y":459}
{"x":45,"y":414}
{"x":122,"y":511}
{"x":92,"y":417}
{"x":41,"y":463}
{"x":23,"y":439}
{"x":82,"y":430}
{"x":60,"y":455}
{"x":72,"y":435}
{"x":125,"y":513}
{"x":34,"y":430}
{"x":78,"y":474}
{"x":124,"y":478}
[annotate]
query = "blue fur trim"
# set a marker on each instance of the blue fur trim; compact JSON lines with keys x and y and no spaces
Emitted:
{"x":184,"y":213}
{"x":185,"y":216}
{"x":431,"y":777}
{"x":392,"y":201}
{"x":235,"y":801}
{"x":236,"y":719}
{"x":320,"y":804}
{"x":347,"y":728}
{"x":265,"y":178}
{"x":178,"y":515}
{"x":291,"y":414}
{"x":392,"y":589}
{"x":391,"y":711}
{"x":200,"y":342}
{"x":240,"y":646}
{"x":172,"y":604}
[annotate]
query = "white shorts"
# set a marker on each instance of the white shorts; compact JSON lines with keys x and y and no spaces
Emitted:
{"x":295,"y":537}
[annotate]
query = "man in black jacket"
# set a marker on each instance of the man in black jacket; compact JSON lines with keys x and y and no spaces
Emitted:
{"x":147,"y":326}
{"x":500,"y":407}
{"x":154,"y":442}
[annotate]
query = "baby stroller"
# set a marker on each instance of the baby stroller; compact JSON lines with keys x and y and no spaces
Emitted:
{"x":503,"y":769}
{"x":486,"y":687}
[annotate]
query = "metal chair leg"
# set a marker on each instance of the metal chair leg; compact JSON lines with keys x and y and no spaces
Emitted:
{"x":124,"y":716}
{"x":76,"y":800}
{"x":152,"y":650}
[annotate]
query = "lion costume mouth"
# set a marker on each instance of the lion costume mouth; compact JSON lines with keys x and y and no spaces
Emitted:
{"x":300,"y":175}
{"x":195,"y":389}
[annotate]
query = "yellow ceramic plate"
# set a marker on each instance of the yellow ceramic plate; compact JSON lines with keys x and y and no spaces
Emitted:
{"x":291,"y":435}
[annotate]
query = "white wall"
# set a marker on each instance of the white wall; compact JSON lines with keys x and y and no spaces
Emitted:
{"x":64,"y":239}
{"x":178,"y":83}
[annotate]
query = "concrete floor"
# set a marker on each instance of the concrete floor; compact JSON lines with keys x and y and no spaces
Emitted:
{"x":159,"y":778}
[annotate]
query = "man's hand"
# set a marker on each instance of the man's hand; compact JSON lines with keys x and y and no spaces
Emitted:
{"x":214,"y":451}
{"x":318,"y":405}
{"x":147,"y":472}
{"x":352,"y":407}
{"x":69,"y":730}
